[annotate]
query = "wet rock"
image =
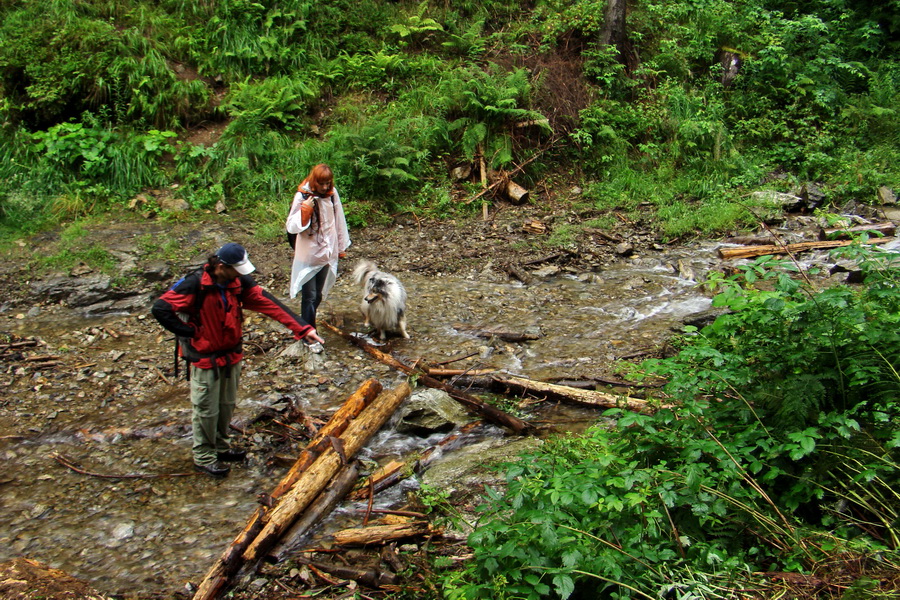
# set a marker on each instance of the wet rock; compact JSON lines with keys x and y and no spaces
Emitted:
{"x":430,"y":411}
{"x":461,"y":173}
{"x":776,"y":200}
{"x":886,"y":195}
{"x":469,"y":467}
{"x":703,"y":318}
{"x":123,"y":531}
{"x":546,"y":271}
{"x":84,"y":289}
{"x":624,"y":249}
{"x":156,"y":271}
{"x":173,"y":205}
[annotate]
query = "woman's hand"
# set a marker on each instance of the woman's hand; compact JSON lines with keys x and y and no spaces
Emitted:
{"x":306,"y":210}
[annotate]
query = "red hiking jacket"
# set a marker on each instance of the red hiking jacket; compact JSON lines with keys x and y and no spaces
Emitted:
{"x":215,"y":316}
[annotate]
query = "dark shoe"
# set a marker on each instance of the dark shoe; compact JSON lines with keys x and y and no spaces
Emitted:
{"x":215,"y":469}
{"x":232,"y":455}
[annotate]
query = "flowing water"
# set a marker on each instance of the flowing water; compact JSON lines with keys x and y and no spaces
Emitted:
{"x":153,"y":535}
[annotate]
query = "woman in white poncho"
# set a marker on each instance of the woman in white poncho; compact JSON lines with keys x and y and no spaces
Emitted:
{"x":318,"y":230}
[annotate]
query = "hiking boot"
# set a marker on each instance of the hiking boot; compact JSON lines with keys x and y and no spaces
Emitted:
{"x":214,"y":469}
{"x":232,"y":455}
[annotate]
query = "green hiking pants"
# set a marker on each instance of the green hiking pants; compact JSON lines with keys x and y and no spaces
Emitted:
{"x":213,"y":397}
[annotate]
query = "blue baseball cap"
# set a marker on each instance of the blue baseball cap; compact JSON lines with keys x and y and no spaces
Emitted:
{"x":236,"y":257}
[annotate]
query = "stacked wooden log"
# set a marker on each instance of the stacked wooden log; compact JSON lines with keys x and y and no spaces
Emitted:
{"x":312,"y":485}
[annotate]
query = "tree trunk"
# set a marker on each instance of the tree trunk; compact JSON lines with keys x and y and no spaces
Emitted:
{"x":380,"y":534}
{"x":320,"y":508}
{"x":317,"y":476}
{"x":471,"y":403}
{"x":750,"y":251}
{"x":373,"y":578}
{"x":613,"y":32}
{"x":549,"y":391}
{"x":227,"y":565}
{"x":339,"y":421}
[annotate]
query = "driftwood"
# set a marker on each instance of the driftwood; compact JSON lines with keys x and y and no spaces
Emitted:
{"x":381,"y":534}
{"x":842,"y":233}
{"x":219,"y":575}
{"x":750,"y":251}
{"x":517,"y":273}
{"x":471,"y":403}
{"x":383,"y":477}
{"x":454,"y":372}
{"x":548,"y":391}
{"x":373,"y":578}
{"x":321,"y":507}
{"x":506,"y":336}
{"x":317,"y":476}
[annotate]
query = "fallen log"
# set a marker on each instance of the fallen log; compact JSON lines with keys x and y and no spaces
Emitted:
{"x":219,"y":575}
{"x":455,"y":372}
{"x":381,"y":478}
{"x":349,"y":410}
{"x":549,"y":391}
{"x":317,"y":476}
{"x":320,"y":508}
{"x":516,"y":193}
{"x":471,"y":403}
{"x":751,"y":251}
{"x":494,"y":332}
{"x":373,"y":578}
{"x":381,"y":534}
{"x":842,"y":233}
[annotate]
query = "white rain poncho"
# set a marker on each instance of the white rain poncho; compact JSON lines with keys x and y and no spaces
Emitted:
{"x":317,"y":248}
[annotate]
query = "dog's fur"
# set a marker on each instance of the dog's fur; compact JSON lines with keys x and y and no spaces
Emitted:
{"x":384,"y":299}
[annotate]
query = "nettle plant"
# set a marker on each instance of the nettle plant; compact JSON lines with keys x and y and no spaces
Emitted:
{"x":775,"y":450}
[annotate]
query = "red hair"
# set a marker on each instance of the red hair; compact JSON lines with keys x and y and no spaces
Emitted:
{"x":321,"y":173}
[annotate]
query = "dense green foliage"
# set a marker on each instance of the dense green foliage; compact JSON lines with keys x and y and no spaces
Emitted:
{"x":100,"y":100}
{"x":778,"y":452}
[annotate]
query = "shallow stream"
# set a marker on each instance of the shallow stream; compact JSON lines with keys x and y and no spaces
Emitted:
{"x":150,"y":536}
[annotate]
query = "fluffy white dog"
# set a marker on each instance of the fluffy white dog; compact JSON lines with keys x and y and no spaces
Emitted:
{"x":384,"y":299}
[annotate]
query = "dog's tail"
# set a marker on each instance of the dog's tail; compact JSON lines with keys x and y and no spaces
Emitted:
{"x":362,"y":270}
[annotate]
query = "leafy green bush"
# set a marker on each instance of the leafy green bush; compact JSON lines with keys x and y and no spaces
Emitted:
{"x":482,"y":107}
{"x":778,"y":448}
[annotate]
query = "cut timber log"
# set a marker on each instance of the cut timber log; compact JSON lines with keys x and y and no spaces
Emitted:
{"x":549,"y":391}
{"x":516,"y":193}
{"x":750,"y":251}
{"x":381,"y":534}
{"x":842,"y":233}
{"x":320,"y":508}
{"x":317,"y":476}
{"x":469,"y":402}
{"x":219,"y":575}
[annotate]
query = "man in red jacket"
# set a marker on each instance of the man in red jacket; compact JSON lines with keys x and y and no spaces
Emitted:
{"x":205,"y":311}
